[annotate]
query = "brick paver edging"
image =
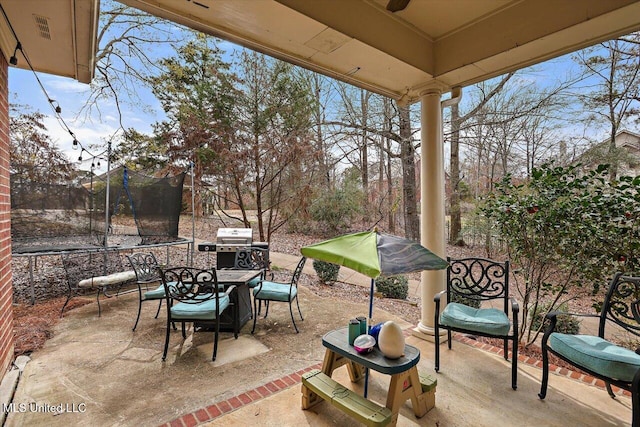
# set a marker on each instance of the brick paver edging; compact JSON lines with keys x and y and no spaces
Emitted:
{"x":236,"y":402}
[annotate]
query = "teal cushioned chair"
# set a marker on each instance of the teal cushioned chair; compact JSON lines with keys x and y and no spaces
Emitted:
{"x":253,"y":258}
{"x":597,"y":355}
{"x":146,"y":266}
{"x":472,"y":283}
{"x":269,"y":291}
{"x":193,"y":295}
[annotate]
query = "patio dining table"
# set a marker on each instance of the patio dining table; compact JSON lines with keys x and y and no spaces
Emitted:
{"x":241,"y":298}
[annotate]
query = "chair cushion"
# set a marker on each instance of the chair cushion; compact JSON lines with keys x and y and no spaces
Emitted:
{"x":110,"y":279}
{"x":274,"y":291}
{"x":157,"y":293}
{"x":489,"y":321}
{"x":254,"y":282}
{"x":205,"y":310}
{"x":597,"y":355}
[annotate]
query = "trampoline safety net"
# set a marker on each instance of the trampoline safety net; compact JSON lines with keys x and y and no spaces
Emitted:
{"x":68,"y":216}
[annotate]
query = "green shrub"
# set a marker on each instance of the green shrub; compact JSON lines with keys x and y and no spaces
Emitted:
{"x":326,"y":271}
{"x":336,"y":208}
{"x":393,"y":287}
{"x":567,"y":323}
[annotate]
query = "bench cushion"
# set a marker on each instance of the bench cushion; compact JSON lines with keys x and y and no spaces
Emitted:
{"x":482,"y":320}
{"x":201,"y":311}
{"x":110,"y":279}
{"x":275,"y":291}
{"x":597,"y":355}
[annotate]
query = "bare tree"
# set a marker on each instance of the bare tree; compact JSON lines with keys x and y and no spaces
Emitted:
{"x":129,"y":41}
{"x":457,"y":123}
{"x":409,"y":191}
{"x":613,"y":94}
{"x":389,"y":128}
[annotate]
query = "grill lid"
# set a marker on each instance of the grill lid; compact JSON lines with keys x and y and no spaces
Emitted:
{"x":228,"y":239}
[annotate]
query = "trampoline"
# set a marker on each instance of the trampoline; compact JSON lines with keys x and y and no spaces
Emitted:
{"x":56,"y":218}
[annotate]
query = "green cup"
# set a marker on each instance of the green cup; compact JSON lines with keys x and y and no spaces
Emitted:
{"x":363,"y":324}
{"x":354,"y":330}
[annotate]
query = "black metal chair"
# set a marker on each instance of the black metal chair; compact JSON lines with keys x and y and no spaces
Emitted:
{"x":146,"y":267}
{"x":193,"y":295}
{"x":470,"y":283}
{"x":269,"y":291}
{"x":254,"y":259}
{"x":595,"y":355}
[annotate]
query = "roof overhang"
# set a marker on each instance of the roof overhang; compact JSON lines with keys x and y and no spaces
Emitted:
{"x":430,"y":43}
{"x":58,"y":36}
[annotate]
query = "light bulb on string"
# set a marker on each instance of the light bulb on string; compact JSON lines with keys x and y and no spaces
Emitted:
{"x":14,"y":59}
{"x":55,"y":105}
{"x":80,"y":157}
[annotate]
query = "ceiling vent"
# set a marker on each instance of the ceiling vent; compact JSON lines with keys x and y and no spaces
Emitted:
{"x":42,"y":24}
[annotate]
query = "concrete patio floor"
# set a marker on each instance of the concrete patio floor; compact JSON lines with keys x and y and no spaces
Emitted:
{"x":105,"y":374}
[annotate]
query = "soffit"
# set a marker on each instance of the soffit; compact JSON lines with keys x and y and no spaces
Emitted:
{"x":431,"y":43}
{"x":58,"y":36}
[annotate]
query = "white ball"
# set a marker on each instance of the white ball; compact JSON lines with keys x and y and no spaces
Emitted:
{"x":391,"y":340}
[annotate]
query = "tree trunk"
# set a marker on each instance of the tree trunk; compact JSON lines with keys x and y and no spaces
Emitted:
{"x":613,"y":158}
{"x":455,"y":237}
{"x":390,"y":192}
{"x":318,"y":117}
{"x":364,"y":154}
{"x":407,"y":154}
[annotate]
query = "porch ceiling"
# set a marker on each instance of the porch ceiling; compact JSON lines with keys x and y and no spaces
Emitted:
{"x":58,"y":36}
{"x":441,"y":43}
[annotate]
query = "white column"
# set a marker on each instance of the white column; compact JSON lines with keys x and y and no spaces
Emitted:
{"x":432,"y":205}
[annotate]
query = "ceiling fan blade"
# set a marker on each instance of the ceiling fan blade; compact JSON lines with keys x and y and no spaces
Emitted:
{"x":397,"y":5}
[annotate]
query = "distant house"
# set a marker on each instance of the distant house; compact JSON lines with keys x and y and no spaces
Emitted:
{"x":629,"y":159}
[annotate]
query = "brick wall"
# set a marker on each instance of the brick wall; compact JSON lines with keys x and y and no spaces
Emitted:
{"x":6,"y":289}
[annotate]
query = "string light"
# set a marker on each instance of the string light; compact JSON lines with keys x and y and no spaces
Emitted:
{"x":54,"y":104}
{"x":14,"y":59}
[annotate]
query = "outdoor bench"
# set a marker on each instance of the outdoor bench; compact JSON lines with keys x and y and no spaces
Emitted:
{"x":94,"y":270}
